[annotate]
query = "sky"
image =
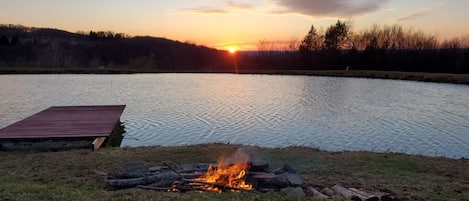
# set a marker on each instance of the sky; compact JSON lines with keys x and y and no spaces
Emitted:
{"x":239,"y":24}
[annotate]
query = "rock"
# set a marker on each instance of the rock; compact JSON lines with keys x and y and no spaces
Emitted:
{"x":372,"y":199}
{"x":280,"y":180}
{"x":327,"y":191}
{"x":293,"y":191}
{"x":388,"y":198}
{"x":135,"y":169}
{"x":294,"y":179}
{"x":258,"y":166}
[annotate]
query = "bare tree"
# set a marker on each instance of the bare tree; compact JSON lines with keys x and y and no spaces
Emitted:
{"x":265,"y":50}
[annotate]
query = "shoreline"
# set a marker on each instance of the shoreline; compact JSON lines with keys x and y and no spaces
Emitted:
{"x":54,"y":175}
{"x":394,"y":75}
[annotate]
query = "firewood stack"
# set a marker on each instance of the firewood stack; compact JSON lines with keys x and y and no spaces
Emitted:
{"x":181,"y":178}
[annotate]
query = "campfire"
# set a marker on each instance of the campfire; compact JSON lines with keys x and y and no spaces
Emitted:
{"x":235,"y":173}
{"x":228,"y":175}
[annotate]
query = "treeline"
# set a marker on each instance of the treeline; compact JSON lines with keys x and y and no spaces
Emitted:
{"x":378,"y":48}
{"x":389,"y":48}
{"x":51,"y":48}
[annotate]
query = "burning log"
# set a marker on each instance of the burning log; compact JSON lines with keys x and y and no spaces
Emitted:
{"x":214,"y":185}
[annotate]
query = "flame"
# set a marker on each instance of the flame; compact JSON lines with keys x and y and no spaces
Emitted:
{"x":229,"y":173}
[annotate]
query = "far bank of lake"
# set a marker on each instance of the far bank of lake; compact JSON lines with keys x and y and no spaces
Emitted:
{"x":396,"y":75}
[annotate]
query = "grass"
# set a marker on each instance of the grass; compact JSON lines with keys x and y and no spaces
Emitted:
{"x":69,"y":175}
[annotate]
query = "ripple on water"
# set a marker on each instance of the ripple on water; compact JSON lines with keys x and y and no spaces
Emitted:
{"x":272,"y":111}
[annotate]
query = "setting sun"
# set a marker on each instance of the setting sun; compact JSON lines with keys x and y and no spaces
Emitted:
{"x":232,"y":50}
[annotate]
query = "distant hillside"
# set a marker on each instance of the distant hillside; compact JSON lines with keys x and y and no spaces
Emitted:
{"x":27,"y":47}
{"x":43,"y":47}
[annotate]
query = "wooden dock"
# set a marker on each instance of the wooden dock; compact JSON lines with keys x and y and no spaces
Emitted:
{"x":63,"y":127}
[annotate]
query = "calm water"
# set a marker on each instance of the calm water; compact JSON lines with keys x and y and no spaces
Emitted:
{"x":272,"y":111}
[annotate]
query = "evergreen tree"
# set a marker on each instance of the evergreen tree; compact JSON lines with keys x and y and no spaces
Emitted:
{"x":336,"y":35}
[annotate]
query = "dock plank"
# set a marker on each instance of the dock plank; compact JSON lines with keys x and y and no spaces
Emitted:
{"x":66,"y":122}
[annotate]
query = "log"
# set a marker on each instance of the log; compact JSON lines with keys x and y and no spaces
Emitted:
{"x":155,"y":169}
{"x":186,"y":167}
{"x":220,"y":186}
{"x":191,"y":175}
{"x":100,"y":173}
{"x":346,"y":193}
{"x":133,"y":182}
{"x":203,"y":166}
{"x":162,"y":183}
{"x":154,"y":188}
{"x":191,"y":171}
{"x":261,"y":175}
{"x":317,"y":194}
{"x":364,"y":195}
{"x":174,"y":170}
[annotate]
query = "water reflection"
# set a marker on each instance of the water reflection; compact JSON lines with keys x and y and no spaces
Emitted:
{"x":273,"y":111}
{"x":116,"y":137}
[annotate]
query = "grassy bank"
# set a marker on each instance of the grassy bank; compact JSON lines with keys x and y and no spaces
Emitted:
{"x":70,"y":175}
{"x":416,"y":76}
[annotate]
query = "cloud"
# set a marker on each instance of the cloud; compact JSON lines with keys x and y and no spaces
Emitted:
{"x":240,"y":5}
{"x":228,"y":8}
{"x":204,"y":10}
{"x":411,"y":16}
{"x":329,"y":8}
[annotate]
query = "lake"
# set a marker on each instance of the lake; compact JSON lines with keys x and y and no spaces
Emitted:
{"x":329,"y":113}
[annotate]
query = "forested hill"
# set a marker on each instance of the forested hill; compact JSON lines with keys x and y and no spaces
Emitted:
{"x":52,"y":48}
{"x":390,"y":48}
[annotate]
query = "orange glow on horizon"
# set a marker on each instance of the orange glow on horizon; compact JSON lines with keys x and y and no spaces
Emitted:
{"x":232,"y":50}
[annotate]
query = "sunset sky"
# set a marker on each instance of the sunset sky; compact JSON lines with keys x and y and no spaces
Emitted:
{"x":237,"y":23}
